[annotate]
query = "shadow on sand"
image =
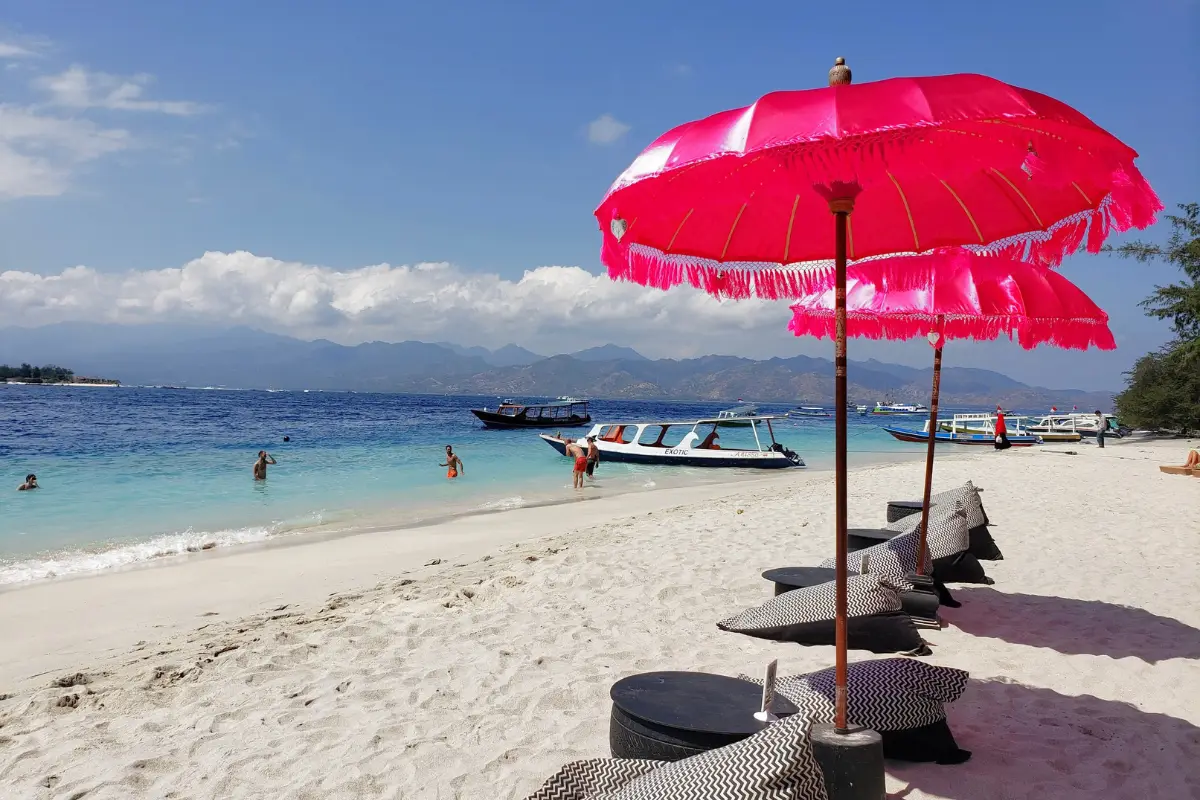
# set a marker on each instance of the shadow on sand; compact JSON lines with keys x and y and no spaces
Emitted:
{"x":1072,"y":627}
{"x":1037,"y":743}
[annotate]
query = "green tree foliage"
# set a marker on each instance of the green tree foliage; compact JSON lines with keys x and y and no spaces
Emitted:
{"x":50,"y":373}
{"x":1163,"y":389}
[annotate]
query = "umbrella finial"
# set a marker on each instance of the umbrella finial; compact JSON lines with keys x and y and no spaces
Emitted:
{"x":840,"y":74}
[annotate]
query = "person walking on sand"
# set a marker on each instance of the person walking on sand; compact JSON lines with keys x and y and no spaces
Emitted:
{"x":593,"y":456}
{"x":576,"y":452}
{"x":1002,"y":442}
{"x":30,"y":483}
{"x":1101,"y":424}
{"x":454,"y":464}
{"x":260,"y":466}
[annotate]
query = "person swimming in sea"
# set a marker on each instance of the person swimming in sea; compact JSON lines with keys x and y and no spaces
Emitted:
{"x":30,"y":483}
{"x":260,"y":466}
{"x":453,"y":464}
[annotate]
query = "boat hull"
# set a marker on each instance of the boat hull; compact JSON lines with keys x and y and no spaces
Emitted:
{"x":977,"y":439}
{"x":672,"y":456}
{"x":491,"y":419}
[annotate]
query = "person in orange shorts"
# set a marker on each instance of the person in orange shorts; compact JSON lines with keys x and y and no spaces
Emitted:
{"x":454,"y":464}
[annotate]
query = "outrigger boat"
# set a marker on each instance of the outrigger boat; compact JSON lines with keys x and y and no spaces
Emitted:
{"x":646,"y":443}
{"x":985,"y":423}
{"x":984,"y":433}
{"x":565,"y":414}
{"x":1079,"y":425}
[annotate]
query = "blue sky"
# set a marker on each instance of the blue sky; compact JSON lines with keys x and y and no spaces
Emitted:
{"x":354,"y":134}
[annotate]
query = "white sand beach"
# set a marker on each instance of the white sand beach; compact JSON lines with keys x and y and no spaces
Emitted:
{"x":346,"y":668}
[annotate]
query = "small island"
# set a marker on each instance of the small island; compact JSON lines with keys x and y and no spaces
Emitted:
{"x":51,"y":374}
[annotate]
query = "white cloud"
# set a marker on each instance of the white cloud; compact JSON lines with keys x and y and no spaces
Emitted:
{"x":606,"y":129}
{"x":38,"y":152}
{"x":681,"y":70}
{"x":80,"y":89}
{"x":15,"y":49}
{"x":548,"y":307}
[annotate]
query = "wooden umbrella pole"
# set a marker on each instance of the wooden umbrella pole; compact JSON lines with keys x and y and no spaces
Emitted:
{"x":841,"y":203}
{"x":840,"y":216}
{"x":933,"y":423}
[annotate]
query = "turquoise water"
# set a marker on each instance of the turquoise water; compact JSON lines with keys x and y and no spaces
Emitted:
{"x":129,"y":474}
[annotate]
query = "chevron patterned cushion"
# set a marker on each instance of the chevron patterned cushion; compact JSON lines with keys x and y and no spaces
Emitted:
{"x":949,"y":532}
{"x":891,"y":560}
{"x":887,"y":694}
{"x":774,"y":764}
{"x":865,"y":595}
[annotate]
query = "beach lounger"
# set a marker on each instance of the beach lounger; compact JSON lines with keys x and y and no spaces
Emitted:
{"x":1180,"y":471}
{"x":981,"y":545}
{"x":778,"y":761}
{"x":903,"y":699}
{"x":875,"y":618}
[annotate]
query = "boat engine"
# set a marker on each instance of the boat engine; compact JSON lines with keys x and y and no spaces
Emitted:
{"x":791,"y":454}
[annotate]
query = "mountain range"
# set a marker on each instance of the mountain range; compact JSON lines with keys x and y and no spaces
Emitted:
{"x":247,"y":358}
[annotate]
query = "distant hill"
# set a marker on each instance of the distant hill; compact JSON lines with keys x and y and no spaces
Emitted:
{"x":609,"y":352}
{"x":247,"y":358}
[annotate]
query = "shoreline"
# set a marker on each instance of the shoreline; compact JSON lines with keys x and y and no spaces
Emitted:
{"x":152,"y":550}
{"x":348,"y":559}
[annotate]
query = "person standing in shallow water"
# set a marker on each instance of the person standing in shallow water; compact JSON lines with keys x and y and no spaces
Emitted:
{"x":593,"y":456}
{"x":260,"y":466}
{"x":1101,"y":424}
{"x":453,"y":464}
{"x":575,"y":452}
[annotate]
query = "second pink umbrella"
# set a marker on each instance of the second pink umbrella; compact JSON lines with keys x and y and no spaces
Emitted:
{"x":952,"y":295}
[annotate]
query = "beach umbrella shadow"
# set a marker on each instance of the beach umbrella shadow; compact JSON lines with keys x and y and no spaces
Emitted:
{"x":1073,"y":627}
{"x":1036,"y":743}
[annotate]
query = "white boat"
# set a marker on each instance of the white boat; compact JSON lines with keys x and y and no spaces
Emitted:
{"x":567,"y":399}
{"x":1075,"y":423}
{"x":808,"y":411}
{"x":985,"y":424}
{"x":738,"y":415}
{"x":898,"y":408}
{"x":649,"y":443}
{"x":862,"y":409}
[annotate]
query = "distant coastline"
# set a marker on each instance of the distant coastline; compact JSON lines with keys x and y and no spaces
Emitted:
{"x":50,"y":375}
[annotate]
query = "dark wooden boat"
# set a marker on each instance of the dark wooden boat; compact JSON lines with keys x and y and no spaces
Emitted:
{"x":982,"y":439}
{"x":560,"y":414}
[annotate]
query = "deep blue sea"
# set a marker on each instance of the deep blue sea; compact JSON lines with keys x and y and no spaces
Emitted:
{"x":130,"y":474}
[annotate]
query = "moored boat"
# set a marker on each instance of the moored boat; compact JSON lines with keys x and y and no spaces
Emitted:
{"x":565,"y":414}
{"x":695,"y":444}
{"x":1059,"y":425}
{"x":979,"y":429}
{"x":899,"y":408}
{"x":808,"y":411}
{"x":737,"y":416}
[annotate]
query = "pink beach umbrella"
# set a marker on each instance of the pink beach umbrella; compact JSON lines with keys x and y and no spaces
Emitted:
{"x":739,"y":203}
{"x":952,"y":295}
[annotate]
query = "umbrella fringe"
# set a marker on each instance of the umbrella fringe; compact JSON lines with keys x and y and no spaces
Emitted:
{"x":1070,"y":334}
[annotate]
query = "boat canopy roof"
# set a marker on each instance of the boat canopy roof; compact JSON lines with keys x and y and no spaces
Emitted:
{"x":551,"y":404}
{"x":709,"y":420}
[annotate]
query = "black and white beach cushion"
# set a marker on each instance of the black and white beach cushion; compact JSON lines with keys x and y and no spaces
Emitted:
{"x":774,"y":764}
{"x":949,"y":530}
{"x":901,"y":698}
{"x":982,"y":545}
{"x":874,"y":622}
{"x":952,"y":561}
{"x":891,"y":560}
